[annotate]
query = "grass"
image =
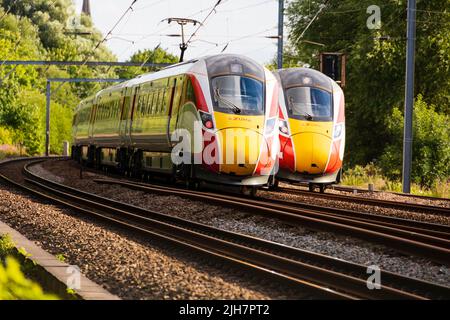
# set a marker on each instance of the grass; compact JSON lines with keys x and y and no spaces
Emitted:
{"x":370,"y":174}
{"x":8,"y":151}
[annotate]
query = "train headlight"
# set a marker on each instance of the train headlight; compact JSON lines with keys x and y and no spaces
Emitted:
{"x":207,"y":120}
{"x":338,"y":129}
{"x":270,"y":126}
{"x":284,"y":129}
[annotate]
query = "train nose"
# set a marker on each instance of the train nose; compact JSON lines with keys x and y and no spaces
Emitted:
{"x":240,"y":150}
{"x":312,"y":152}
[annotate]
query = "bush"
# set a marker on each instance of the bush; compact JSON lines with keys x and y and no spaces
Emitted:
{"x":5,"y":136}
{"x":431,"y":145}
{"x":362,"y":176}
{"x":13,"y":283}
{"x":15,"y":286}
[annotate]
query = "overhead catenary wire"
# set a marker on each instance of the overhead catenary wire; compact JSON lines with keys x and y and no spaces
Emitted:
{"x":130,"y":8}
{"x":313,"y":19}
{"x":204,"y":20}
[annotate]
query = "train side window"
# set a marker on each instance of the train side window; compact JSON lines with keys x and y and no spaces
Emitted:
{"x":162,"y":104}
{"x":190,"y":94}
{"x":154,"y":102}
{"x":138,"y":107}
{"x":157,"y":102}
{"x":144,"y":105}
{"x":149,"y":104}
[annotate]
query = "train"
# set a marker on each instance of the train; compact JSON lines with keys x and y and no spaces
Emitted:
{"x":312,"y":128}
{"x":213,"y":119}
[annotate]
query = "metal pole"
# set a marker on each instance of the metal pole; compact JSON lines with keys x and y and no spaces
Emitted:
{"x":280,"y":33}
{"x":409,"y":96}
{"x":47,"y":121}
{"x":183,"y":45}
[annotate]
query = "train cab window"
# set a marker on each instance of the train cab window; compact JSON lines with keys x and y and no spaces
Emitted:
{"x":238,"y":95}
{"x":312,"y":104}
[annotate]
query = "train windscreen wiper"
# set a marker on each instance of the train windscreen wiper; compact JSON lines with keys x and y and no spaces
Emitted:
{"x":227,"y":102}
{"x":307,"y":116}
{"x":304,"y":113}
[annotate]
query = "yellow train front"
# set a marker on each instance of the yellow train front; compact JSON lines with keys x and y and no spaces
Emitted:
{"x":312,"y":128}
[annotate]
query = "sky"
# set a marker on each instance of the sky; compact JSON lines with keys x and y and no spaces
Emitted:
{"x":243,"y":24}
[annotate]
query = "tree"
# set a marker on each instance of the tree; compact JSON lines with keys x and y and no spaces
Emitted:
{"x":38,"y":30}
{"x":376,"y":61}
{"x":157,"y":55}
{"x":431,"y":148}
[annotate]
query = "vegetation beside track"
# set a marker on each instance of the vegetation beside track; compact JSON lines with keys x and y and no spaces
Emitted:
{"x":15,"y":284}
{"x":362,"y":176}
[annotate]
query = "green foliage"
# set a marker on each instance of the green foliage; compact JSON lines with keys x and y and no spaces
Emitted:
{"x":431,"y":147}
{"x":157,"y":55}
{"x":13,"y":283}
{"x":36,"y":30}
{"x":376,"y":69}
{"x":61,"y":257}
{"x":6,"y":246}
{"x":5,"y":136}
{"x":15,"y":286}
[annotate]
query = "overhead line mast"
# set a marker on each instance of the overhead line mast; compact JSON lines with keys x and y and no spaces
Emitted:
{"x":409,"y":96}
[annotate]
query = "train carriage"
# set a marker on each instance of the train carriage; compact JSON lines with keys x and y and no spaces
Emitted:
{"x":312,"y":128}
{"x":225,"y":105}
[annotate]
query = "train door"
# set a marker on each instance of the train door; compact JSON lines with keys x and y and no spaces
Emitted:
{"x":92,"y":116}
{"x":123,"y":114}
{"x":133,"y":105}
{"x":177,"y":91}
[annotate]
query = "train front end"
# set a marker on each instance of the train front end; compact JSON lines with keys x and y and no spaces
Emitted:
{"x":312,"y":128}
{"x":237,"y":100}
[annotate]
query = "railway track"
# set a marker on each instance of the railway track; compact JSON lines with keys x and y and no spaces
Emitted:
{"x":326,"y":277}
{"x":370,"y":201}
{"x":410,"y":237}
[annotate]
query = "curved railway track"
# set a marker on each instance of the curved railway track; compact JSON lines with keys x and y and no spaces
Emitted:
{"x":371,"y":201}
{"x":326,"y":277}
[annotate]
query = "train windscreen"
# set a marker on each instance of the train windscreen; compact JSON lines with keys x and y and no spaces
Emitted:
{"x":238,"y":95}
{"x":312,"y":104}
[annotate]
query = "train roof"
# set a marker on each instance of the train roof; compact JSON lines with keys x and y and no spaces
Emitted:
{"x":193,"y":66}
{"x":294,"y":77}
